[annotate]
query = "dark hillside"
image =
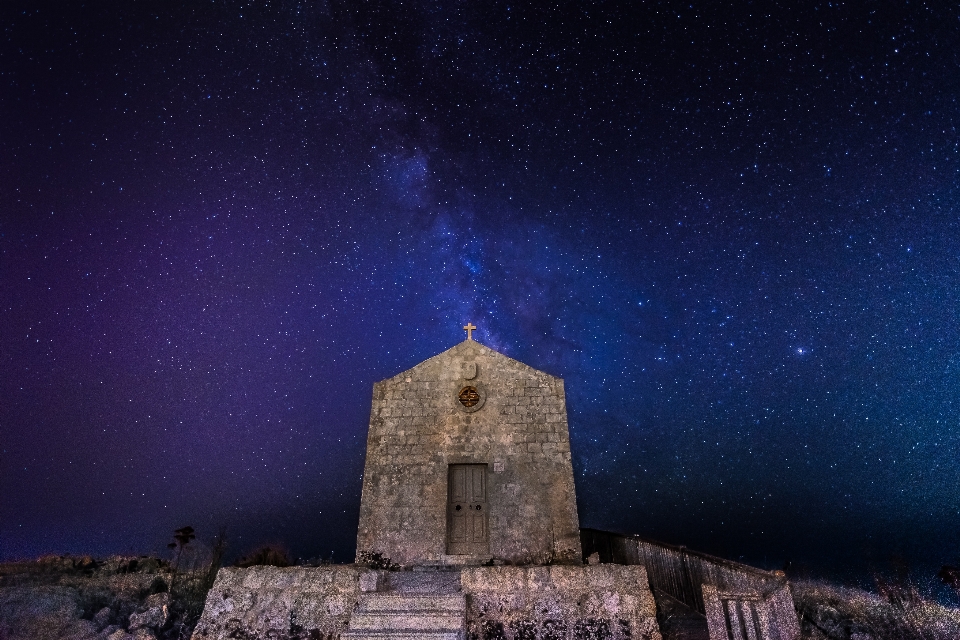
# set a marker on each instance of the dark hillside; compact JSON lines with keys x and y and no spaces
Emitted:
{"x":82,"y":598}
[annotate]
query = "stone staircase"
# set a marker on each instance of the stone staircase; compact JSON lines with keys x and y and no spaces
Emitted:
{"x":677,"y":621}
{"x":408,"y":616}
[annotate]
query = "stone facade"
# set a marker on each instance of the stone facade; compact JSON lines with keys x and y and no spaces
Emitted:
{"x":512,"y":428}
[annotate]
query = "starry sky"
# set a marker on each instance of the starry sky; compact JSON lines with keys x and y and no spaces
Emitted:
{"x":734,"y":232}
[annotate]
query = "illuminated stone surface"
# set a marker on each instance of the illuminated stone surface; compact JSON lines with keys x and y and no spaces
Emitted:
{"x":517,"y":431}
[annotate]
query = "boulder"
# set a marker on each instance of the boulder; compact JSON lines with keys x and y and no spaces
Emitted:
{"x":157,"y":600}
{"x":80,"y":630}
{"x":102,"y":618}
{"x":151,"y":618}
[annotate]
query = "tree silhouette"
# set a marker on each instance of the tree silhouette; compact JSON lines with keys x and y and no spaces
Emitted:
{"x":183,"y":536}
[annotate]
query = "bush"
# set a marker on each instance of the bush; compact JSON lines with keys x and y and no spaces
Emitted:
{"x":267,"y":555}
{"x":375,"y":560}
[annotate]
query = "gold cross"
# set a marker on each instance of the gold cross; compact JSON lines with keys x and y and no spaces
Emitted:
{"x":469,"y":329}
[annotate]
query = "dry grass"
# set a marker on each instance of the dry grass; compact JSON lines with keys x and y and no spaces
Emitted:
{"x":844,"y":613}
{"x":268,"y":555}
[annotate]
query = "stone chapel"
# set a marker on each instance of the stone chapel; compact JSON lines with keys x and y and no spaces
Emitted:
{"x":468,"y":462}
{"x":468,"y":530}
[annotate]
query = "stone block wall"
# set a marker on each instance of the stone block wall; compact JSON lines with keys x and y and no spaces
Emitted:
{"x":294,"y":603}
{"x":600,"y":602}
{"x":518,"y":430}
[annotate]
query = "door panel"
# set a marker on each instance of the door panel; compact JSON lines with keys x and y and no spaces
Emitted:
{"x":467,"y":506}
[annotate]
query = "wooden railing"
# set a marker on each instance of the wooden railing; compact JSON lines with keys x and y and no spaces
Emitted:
{"x":678,"y":571}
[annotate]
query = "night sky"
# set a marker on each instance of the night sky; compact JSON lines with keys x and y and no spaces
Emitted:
{"x":734,"y":232}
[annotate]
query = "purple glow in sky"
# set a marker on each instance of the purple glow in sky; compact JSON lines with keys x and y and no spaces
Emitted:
{"x":733,"y":232}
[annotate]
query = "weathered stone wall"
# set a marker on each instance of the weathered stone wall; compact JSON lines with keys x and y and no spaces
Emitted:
{"x":746,"y":613}
{"x":601,"y":602}
{"x":519,"y":430}
{"x":270,"y":602}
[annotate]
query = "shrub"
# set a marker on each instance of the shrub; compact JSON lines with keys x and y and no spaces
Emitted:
{"x":267,"y":555}
{"x":375,"y":560}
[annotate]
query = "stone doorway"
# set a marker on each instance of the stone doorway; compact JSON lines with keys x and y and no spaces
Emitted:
{"x":467,"y":519}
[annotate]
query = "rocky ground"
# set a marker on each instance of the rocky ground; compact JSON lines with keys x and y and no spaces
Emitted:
{"x":129,"y":598}
{"x":79,"y":598}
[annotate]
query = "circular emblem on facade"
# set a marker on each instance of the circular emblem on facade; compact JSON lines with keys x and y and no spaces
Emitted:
{"x":469,"y":397}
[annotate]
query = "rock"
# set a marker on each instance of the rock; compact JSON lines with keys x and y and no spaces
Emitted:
{"x":153,"y":614}
{"x":132,"y":564}
{"x":151,"y":618}
{"x":593,"y":558}
{"x":80,"y":630}
{"x":48,"y":600}
{"x":158,"y":600}
{"x":102,"y":618}
{"x":144,"y":634}
{"x":58,"y":562}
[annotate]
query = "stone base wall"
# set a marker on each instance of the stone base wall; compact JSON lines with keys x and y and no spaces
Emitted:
{"x":600,"y":602}
{"x":295,"y":603}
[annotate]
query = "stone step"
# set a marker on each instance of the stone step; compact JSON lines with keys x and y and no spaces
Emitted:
{"x":436,"y":581}
{"x":391,"y":616}
{"x":392,"y":602}
{"x":394,"y":634}
{"x":407,"y":620}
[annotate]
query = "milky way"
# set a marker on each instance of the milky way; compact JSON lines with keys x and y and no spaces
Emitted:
{"x":734,"y":233}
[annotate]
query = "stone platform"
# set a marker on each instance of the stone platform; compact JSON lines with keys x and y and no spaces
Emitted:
{"x":600,"y":602}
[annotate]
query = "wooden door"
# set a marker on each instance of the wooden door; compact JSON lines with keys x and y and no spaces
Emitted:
{"x":467,"y":519}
